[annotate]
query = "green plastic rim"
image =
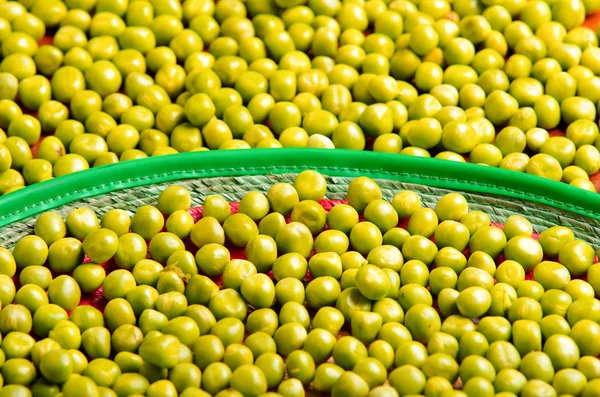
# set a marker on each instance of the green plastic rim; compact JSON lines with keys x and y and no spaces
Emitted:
{"x":232,"y":174}
{"x":429,"y":172}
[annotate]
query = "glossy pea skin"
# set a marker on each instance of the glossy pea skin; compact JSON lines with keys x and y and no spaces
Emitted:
{"x":352,"y":17}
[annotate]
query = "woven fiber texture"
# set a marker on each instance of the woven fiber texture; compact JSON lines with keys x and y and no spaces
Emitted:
{"x":234,"y":188}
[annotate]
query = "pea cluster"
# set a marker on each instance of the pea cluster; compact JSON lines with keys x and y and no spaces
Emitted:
{"x":276,"y":295}
{"x":127,"y":79}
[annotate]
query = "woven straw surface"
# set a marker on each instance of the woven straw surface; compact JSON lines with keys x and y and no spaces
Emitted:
{"x":234,"y":188}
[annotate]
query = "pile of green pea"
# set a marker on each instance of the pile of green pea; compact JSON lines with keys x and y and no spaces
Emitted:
{"x":127,"y":79}
{"x":345,"y":302}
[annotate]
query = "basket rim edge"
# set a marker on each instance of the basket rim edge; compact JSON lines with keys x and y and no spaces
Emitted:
{"x":337,"y":163}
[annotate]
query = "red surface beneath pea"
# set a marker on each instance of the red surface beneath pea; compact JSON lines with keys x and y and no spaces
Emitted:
{"x":97,"y":300}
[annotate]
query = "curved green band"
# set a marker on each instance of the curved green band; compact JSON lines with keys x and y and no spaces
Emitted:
{"x":425,"y":171}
